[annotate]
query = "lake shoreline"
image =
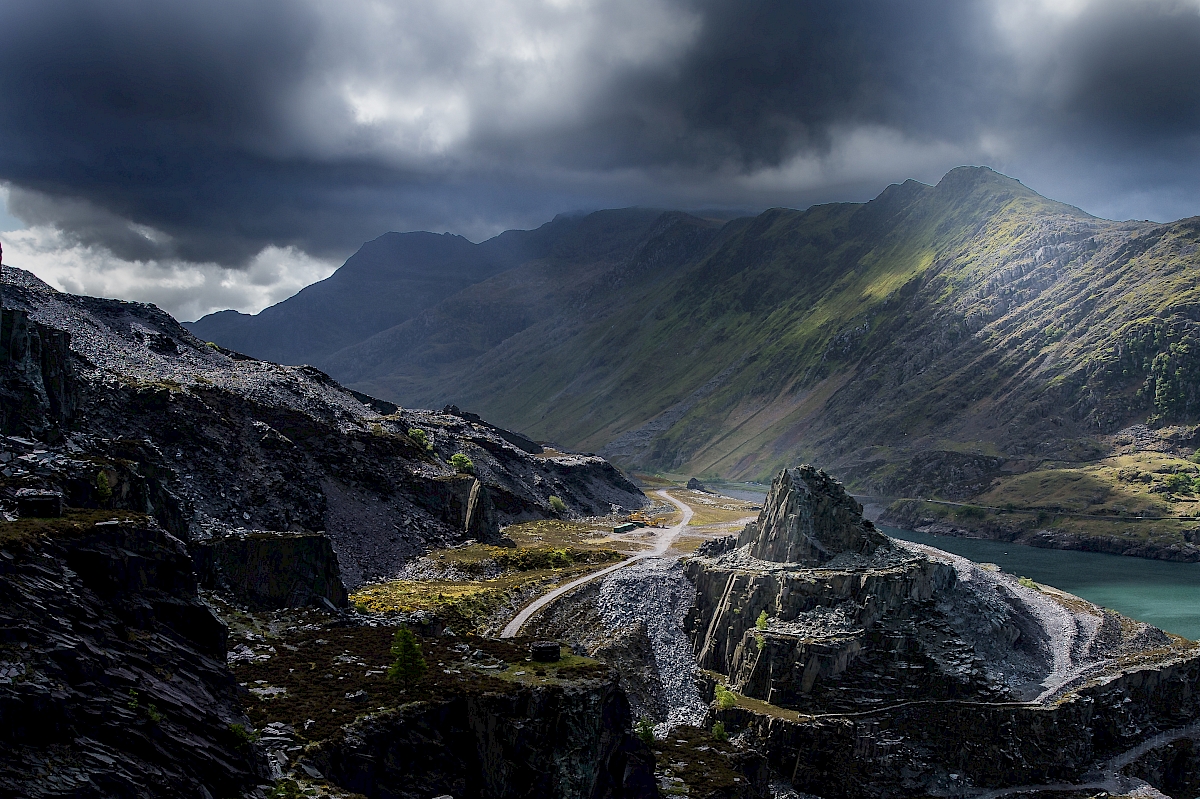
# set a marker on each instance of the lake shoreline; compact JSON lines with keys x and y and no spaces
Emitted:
{"x":1184,"y":552}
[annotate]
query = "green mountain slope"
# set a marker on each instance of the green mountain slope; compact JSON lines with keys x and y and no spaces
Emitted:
{"x":934,"y":342}
{"x":974,"y":318}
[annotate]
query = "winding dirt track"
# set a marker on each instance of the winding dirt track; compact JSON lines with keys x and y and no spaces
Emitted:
{"x":661,"y":545}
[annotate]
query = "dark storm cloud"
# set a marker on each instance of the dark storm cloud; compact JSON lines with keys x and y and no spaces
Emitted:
{"x":204,"y":132}
{"x":151,"y":112}
{"x":1132,"y":72}
{"x":765,"y":79}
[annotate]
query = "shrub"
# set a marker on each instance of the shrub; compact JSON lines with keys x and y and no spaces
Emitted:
{"x":718,"y":732}
{"x":287,"y":789}
{"x":461,"y":463}
{"x":1179,"y":483}
{"x":557,"y":505}
{"x":409,"y":667}
{"x":761,"y":622}
{"x":725,"y":697}
{"x":242,"y":735}
{"x":970,"y":512}
{"x":645,"y":730}
{"x":1027,"y":583}
{"x":760,"y":642}
{"x":421,"y":437}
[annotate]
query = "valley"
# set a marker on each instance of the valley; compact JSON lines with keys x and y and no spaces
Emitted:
{"x":258,"y":582}
{"x":962,"y":342}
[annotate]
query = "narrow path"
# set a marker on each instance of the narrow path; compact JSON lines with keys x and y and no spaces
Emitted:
{"x":1066,"y":637}
{"x":661,"y":545}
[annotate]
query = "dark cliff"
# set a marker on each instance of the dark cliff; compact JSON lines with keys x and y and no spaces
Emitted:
{"x":114,"y":679}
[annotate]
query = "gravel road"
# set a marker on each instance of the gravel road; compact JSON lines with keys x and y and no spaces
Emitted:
{"x":662,"y":544}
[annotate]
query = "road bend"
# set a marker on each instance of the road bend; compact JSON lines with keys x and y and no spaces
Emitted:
{"x":662,"y":543}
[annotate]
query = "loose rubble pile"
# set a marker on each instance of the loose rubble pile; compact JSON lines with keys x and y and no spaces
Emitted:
{"x":654,"y":596}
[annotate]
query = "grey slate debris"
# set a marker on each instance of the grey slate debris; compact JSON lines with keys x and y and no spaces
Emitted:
{"x":212,"y":442}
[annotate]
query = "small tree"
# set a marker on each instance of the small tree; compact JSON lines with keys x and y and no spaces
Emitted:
{"x":725,"y":697}
{"x":421,"y":437}
{"x":461,"y":463}
{"x":761,"y":622}
{"x":409,"y":667}
{"x":645,"y":730}
{"x":557,"y":505}
{"x":718,"y":732}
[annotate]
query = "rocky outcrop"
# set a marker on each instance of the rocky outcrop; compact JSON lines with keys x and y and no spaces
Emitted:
{"x":221,"y":443}
{"x":808,"y":519}
{"x":911,"y":672}
{"x":272,"y":570}
{"x":519,"y":480}
{"x":834,"y":638}
{"x":569,"y":742}
{"x":1173,"y":768}
{"x":37,"y":388}
{"x":952,"y":748}
{"x":112,"y":672}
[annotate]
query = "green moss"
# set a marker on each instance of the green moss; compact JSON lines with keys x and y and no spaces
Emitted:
{"x":73,"y":522}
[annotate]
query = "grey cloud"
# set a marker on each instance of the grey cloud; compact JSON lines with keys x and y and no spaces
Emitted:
{"x":1132,"y":71}
{"x":220,"y":126}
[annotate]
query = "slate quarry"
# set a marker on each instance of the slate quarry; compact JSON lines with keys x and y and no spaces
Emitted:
{"x":156,"y":489}
{"x":874,"y":668}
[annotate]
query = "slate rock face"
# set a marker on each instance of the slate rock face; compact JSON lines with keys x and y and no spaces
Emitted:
{"x":113,"y":679}
{"x":809,"y":519}
{"x":569,"y":741}
{"x":37,"y":388}
{"x":272,"y":570}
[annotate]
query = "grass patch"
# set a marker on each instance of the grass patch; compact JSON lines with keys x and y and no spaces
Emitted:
{"x":480,"y":558}
{"x":1144,"y":497}
{"x":332,"y":674}
{"x":709,"y":509}
{"x":557,"y":534}
{"x":73,"y":522}
{"x":646,"y":480}
{"x":465,"y":605}
{"x":693,"y":762}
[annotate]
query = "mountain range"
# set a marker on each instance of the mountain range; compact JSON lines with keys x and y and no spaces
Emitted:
{"x":922,"y":343}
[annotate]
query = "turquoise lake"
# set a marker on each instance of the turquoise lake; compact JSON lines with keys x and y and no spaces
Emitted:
{"x":1157,"y":592}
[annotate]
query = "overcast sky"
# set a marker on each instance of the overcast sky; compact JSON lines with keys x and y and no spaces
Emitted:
{"x":208,"y":154}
